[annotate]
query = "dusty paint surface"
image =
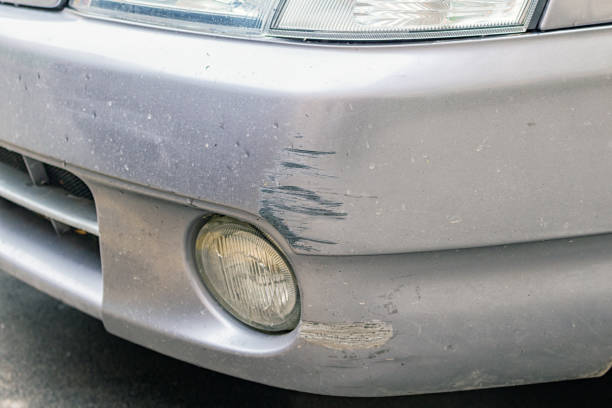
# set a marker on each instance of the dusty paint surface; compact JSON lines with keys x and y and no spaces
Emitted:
{"x":347,"y":336}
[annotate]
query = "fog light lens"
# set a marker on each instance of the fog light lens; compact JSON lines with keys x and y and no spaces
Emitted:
{"x":247,"y":275}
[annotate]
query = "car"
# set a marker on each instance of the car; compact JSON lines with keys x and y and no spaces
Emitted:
{"x":343,"y":197}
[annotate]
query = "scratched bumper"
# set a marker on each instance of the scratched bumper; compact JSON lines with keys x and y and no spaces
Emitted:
{"x":396,"y":154}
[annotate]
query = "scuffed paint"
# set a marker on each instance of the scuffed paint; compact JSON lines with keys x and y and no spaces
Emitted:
{"x":289,"y":206}
{"x":290,"y":165}
{"x":303,"y":201}
{"x":347,"y":336}
{"x":309,"y":153}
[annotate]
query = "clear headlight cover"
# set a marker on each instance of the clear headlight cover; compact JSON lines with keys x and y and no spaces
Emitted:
{"x":224,"y":17}
{"x":401,"y":19}
{"x":324,"y":19}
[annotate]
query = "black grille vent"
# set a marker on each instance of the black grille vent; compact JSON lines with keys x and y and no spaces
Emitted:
{"x":69,"y":182}
{"x":57,"y":177}
{"x":13,"y":159}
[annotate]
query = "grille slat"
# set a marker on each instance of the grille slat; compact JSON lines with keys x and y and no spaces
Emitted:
{"x":57,"y":177}
{"x":43,"y":215}
{"x":66,"y":199}
{"x":66,"y":267}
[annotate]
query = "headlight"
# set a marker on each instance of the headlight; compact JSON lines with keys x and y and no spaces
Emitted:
{"x":229,"y":17}
{"x":324,"y":19}
{"x":247,"y":275}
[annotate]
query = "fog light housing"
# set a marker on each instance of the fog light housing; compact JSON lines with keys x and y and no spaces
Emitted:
{"x":247,"y":274}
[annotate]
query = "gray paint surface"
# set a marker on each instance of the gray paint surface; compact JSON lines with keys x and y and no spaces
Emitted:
{"x":427,"y":322}
{"x":414,"y":147}
{"x":47,"y":4}
{"x":575,"y":13}
{"x":41,"y":337}
{"x":438,"y":321}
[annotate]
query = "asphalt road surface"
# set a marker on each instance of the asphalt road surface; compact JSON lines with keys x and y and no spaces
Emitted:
{"x":54,"y":356}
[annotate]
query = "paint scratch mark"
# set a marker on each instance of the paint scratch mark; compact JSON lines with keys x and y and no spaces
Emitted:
{"x":309,"y":153}
{"x":291,"y":208}
{"x":302,"y":201}
{"x":347,"y":336}
{"x":294,"y":239}
{"x":289,"y":165}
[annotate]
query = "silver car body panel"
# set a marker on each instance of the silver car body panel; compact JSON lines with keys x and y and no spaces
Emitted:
{"x":395,"y":153}
{"x":332,"y":145}
{"x":48,"y":4}
{"x":448,"y":320}
{"x":575,"y":13}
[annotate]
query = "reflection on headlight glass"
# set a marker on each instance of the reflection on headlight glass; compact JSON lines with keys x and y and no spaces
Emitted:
{"x":324,"y":19}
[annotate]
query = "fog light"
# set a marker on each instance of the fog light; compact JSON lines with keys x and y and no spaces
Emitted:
{"x":247,"y":275}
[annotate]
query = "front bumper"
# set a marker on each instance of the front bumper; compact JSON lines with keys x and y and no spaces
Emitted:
{"x":368,"y":165}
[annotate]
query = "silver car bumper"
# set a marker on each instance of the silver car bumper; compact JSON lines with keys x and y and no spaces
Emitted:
{"x":369,"y":165}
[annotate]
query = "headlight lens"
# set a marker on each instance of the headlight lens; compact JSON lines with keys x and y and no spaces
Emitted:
{"x":228,"y":17}
{"x":247,"y":275}
{"x":325,"y":19}
{"x":384,"y":19}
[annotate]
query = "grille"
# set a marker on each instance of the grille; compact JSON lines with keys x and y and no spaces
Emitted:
{"x":68,"y":181}
{"x":57,"y":177}
{"x":49,"y":231}
{"x":49,"y":191}
{"x":15,"y":160}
